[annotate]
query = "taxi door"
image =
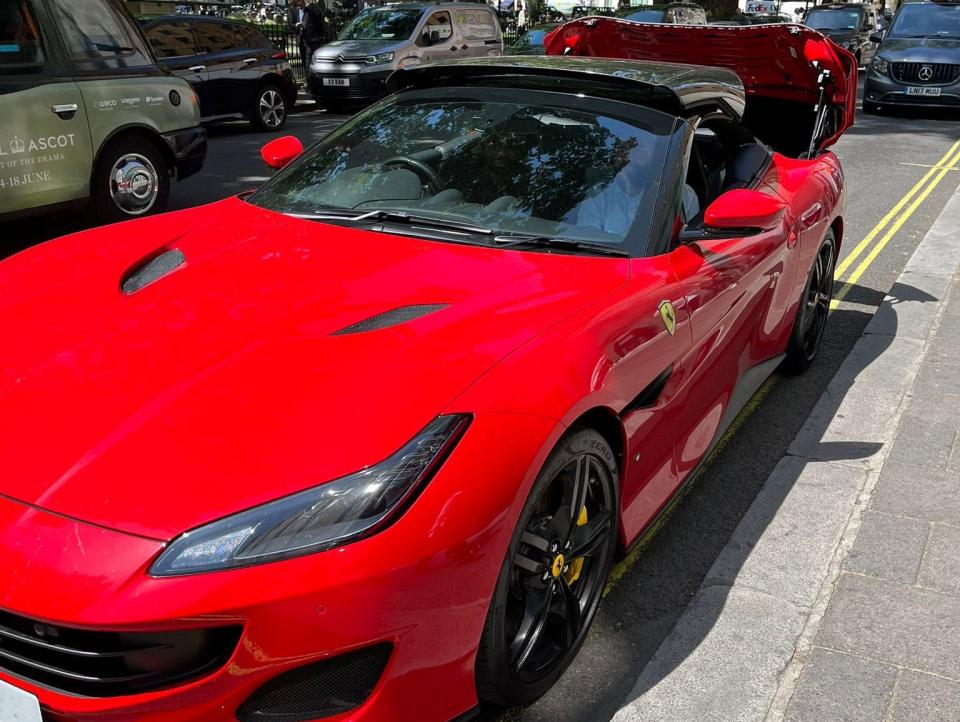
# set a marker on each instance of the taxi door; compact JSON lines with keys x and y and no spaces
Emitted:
{"x":45,"y":148}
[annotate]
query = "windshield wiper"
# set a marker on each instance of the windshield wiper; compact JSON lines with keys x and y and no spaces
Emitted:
{"x":560,"y":244}
{"x":395,"y":217}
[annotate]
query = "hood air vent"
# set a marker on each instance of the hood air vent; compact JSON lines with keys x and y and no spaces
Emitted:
{"x":390,"y":318}
{"x":153,"y":270}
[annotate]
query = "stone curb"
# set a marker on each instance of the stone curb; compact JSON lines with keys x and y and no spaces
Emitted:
{"x":737,"y":651}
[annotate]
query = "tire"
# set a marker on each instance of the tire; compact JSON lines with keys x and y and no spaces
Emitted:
{"x":515,"y":668}
{"x":270,"y":109}
{"x":131,"y":180}
{"x":870,"y":108}
{"x":813,"y":311}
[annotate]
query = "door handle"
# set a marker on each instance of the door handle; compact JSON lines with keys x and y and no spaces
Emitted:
{"x":197,"y":68}
{"x":250,"y":61}
{"x":811,"y":215}
{"x":65,"y":110}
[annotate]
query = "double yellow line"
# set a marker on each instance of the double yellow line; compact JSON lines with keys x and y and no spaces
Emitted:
{"x":918,"y":194}
{"x":889,"y":226}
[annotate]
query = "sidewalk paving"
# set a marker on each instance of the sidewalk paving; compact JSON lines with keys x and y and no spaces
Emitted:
{"x":838,"y":595}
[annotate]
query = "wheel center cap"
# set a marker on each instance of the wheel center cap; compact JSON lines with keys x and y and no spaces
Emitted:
{"x":558,"y":563}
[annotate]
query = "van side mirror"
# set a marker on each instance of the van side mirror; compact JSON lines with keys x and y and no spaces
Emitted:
{"x":876,"y":37}
{"x":280,"y":152}
{"x":744,"y":209}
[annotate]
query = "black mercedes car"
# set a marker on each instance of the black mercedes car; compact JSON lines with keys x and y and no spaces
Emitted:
{"x":918,"y":62}
{"x":234,"y":69}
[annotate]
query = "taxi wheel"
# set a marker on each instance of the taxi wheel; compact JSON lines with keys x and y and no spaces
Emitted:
{"x":551,"y":581}
{"x":811,"y":320}
{"x":270,"y":110}
{"x":132,"y":179}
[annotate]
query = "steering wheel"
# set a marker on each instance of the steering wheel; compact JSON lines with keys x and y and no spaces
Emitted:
{"x":427,"y":174}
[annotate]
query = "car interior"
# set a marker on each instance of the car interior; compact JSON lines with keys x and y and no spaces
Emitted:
{"x":19,"y":36}
{"x":725,"y":156}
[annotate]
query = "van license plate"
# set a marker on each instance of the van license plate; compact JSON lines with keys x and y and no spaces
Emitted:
{"x":16,"y":705}
{"x":336,"y":81}
{"x":923,"y":91}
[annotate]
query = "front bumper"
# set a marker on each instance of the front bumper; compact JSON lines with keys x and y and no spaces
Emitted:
{"x":419,"y":590}
{"x":882,"y":90}
{"x":367,"y":86}
{"x":189,"y":148}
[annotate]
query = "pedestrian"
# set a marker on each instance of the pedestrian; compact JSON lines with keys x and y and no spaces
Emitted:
{"x":313,"y":32}
{"x":296,"y":13}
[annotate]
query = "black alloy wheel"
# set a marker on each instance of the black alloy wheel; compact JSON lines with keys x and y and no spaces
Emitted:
{"x":553,"y":577}
{"x":814,"y":310}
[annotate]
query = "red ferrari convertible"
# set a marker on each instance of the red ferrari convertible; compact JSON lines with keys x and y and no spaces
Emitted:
{"x":364,"y":443}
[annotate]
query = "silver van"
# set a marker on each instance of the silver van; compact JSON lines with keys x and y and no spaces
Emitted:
{"x":355,"y":66}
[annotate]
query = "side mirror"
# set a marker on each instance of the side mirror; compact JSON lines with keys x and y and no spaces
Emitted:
{"x":278,"y":153}
{"x":877,"y":37}
{"x":743,"y":208}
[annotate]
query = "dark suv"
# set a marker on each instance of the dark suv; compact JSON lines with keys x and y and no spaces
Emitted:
{"x":918,"y":62}
{"x":234,"y":69}
{"x":849,"y":25}
{"x":679,"y":13}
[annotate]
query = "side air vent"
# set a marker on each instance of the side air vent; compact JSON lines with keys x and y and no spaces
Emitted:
{"x":318,"y":690}
{"x":390,"y":318}
{"x":153,"y":270}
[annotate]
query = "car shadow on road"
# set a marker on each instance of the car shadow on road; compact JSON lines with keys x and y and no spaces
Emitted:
{"x":891,"y":120}
{"x":643,"y":607}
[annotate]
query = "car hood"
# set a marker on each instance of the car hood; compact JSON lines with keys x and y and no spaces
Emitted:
{"x":919,"y":50}
{"x":358,"y":49}
{"x":230,"y":381}
{"x":772,"y":61}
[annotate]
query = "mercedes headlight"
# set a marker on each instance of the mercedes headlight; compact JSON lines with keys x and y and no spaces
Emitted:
{"x":379,"y":59}
{"x":880,"y":66}
{"x":319,"y":518}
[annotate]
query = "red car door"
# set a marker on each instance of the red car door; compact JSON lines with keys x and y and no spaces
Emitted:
{"x":737,"y":305}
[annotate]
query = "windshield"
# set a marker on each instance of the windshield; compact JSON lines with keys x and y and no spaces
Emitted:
{"x":482,"y":158}
{"x":382,"y":24}
{"x":833,"y":19}
{"x":533,"y":38}
{"x":927,"y":21}
{"x":644,"y":16}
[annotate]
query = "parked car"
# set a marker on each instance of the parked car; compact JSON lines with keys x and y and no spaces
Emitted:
{"x":234,"y":69}
{"x":531,"y":42}
{"x":365,"y":442}
{"x":755,"y":19}
{"x":918,"y":61}
{"x":679,"y":13}
{"x":849,"y":25}
{"x":86,"y":113}
{"x":582,"y":11}
{"x":355,"y":67}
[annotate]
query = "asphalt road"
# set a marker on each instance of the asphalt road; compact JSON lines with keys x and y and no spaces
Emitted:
{"x":884,"y":159}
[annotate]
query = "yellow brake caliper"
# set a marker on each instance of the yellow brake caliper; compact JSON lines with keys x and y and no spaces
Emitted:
{"x":576,"y":566}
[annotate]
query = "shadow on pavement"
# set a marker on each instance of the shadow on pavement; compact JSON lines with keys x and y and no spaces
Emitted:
{"x":646,"y":603}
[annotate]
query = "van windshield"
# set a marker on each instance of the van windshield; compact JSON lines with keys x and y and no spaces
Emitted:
{"x":833,"y":19}
{"x":382,"y":24}
{"x":927,"y":20}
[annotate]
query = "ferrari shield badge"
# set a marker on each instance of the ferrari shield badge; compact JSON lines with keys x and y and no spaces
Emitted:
{"x":668,"y":316}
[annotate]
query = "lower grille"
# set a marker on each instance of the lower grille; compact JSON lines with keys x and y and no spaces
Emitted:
{"x":321,"y":689}
{"x":109,"y":664}
{"x":926,"y":73}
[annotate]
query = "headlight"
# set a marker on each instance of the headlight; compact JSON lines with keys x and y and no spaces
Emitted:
{"x":325,"y":516}
{"x":880,"y":66}
{"x":379,"y":59}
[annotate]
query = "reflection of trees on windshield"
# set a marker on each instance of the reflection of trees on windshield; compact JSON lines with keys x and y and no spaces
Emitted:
{"x":382,"y":24}
{"x":490,"y":162}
